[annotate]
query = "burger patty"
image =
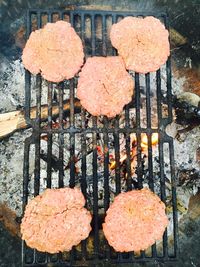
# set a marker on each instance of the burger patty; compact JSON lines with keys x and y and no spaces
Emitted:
{"x":56,"y":220}
{"x":56,"y":51}
{"x":104,"y":86}
{"x":135,"y":220}
{"x":142,"y":42}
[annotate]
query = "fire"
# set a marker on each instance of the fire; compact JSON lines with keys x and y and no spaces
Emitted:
{"x":113,"y":162}
{"x":133,"y":153}
{"x":144,"y":140}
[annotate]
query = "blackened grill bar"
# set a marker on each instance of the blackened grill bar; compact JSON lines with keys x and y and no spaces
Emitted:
{"x":101,"y":251}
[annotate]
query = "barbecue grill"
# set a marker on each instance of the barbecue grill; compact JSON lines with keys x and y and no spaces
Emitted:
{"x":95,"y":249}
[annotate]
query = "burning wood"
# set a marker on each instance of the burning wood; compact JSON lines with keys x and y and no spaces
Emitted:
{"x":15,"y":120}
{"x":133,"y":153}
{"x":187,"y":108}
{"x":144,"y":140}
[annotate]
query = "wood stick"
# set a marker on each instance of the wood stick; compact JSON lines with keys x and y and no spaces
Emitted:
{"x":15,"y":120}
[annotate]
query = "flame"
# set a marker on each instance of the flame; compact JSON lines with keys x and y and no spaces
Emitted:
{"x":113,"y":163}
{"x":144,"y":140}
{"x":133,"y":154}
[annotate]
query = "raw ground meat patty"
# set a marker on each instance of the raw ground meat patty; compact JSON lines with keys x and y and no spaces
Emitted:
{"x":135,"y":220}
{"x":104,"y":86}
{"x":56,"y":220}
{"x":143,"y":43}
{"x":56,"y":51}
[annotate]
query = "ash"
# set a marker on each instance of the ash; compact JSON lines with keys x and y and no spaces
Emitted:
{"x":11,"y":175}
{"x":11,"y":84}
{"x":12,"y":149}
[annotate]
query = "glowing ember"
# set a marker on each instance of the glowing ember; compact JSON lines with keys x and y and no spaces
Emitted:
{"x":144,"y":140}
{"x":133,"y":153}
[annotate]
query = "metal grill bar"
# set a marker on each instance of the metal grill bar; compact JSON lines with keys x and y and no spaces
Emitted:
{"x":83,"y":173}
{"x":106,"y":168}
{"x":169,"y":75}
{"x":26,"y":172}
{"x":103,"y":13}
{"x":94,"y":161}
{"x":84,"y":149}
{"x":37,"y":122}
{"x":84,"y":152}
{"x":38,"y":97}
{"x":82,"y":28}
{"x":117,"y":159}
{"x":95,"y":193}
{"x":105,"y":137}
{"x":72,"y":136}
{"x":161,"y":159}
{"x":128,"y":151}
{"x":61,"y":139}
{"x":175,"y":216}
{"x":137,"y":100}
{"x":138,"y":134}
{"x":37,"y":146}
{"x":148,"y":114}
{"x":49,"y":135}
{"x":148,"y":99}
{"x":116,"y":136}
{"x":101,"y":252}
{"x":27,"y":95}
{"x":99,"y":130}
{"x":149,"y":136}
{"x":114,"y":19}
{"x":83,"y":126}
{"x":93,"y":35}
{"x":104,"y":36}
{"x":28,"y":76}
{"x":106,"y":176}
{"x":139,"y":161}
{"x":128,"y":162}
{"x":169,"y":91}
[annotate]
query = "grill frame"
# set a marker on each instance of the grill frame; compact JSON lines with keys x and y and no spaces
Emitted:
{"x":72,"y":130}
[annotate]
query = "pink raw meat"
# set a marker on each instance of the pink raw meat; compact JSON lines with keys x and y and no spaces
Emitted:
{"x":104,"y":86}
{"x":135,"y":220}
{"x":142,"y":42}
{"x":56,"y":51}
{"x":56,"y":220}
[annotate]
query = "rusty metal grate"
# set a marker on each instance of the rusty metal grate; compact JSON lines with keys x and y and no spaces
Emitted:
{"x":93,"y":28}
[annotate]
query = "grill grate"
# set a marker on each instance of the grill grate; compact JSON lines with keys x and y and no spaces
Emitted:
{"x":93,"y":28}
